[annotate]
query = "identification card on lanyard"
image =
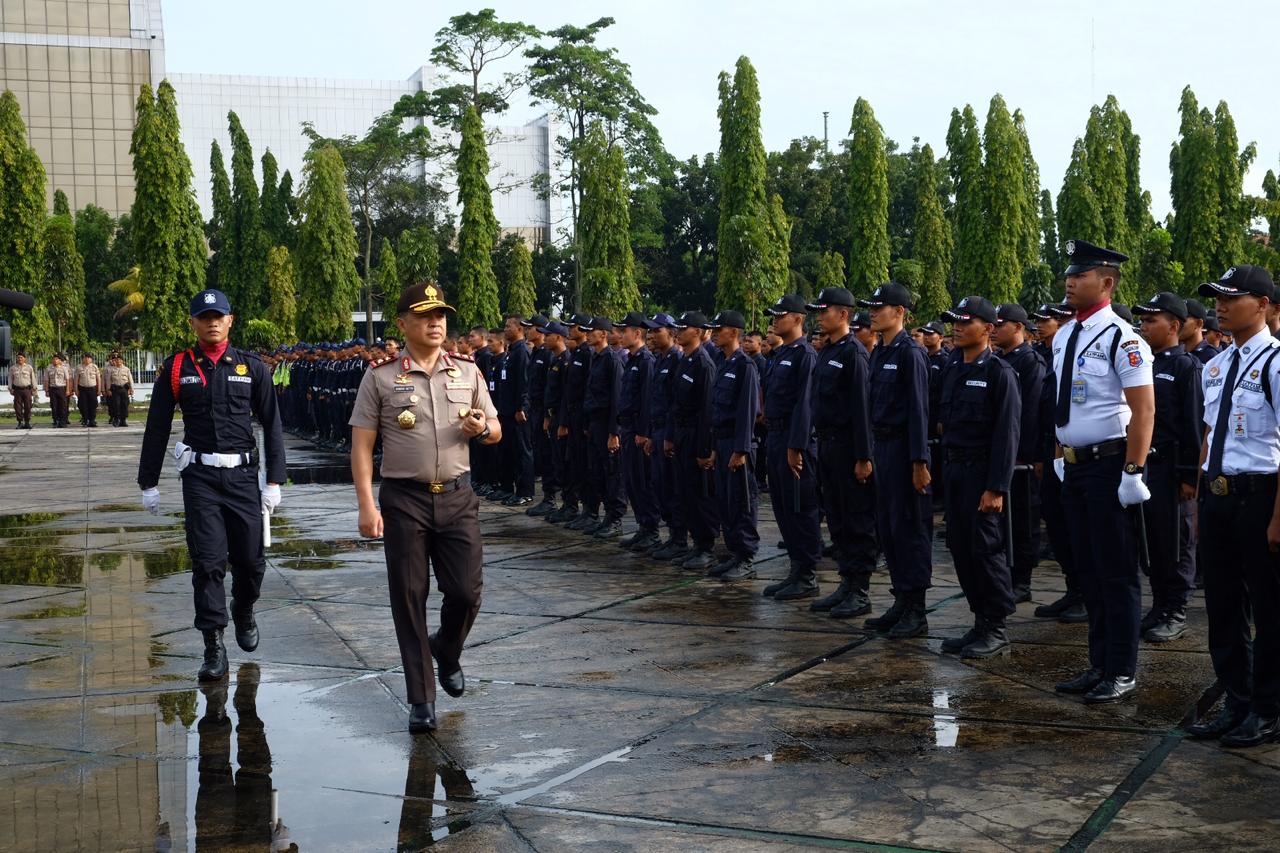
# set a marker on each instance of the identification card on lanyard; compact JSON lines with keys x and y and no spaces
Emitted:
{"x":1079,"y":391}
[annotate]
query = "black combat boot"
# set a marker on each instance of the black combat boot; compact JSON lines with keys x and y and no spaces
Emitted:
{"x":246,"y":627}
{"x":824,"y":604}
{"x":954,"y":645}
{"x":992,"y":640}
{"x":805,"y":585}
{"x":890,"y":617}
{"x":914,"y":622}
{"x":215,"y":657}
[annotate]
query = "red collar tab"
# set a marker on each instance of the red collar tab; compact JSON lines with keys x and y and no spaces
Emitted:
{"x":1085,"y":313}
{"x":405,"y":364}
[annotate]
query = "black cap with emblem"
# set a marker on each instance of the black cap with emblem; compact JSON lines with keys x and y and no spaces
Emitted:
{"x":1123,"y":312}
{"x":537,"y":321}
{"x":787,"y":304}
{"x":889,"y":293}
{"x":1053,"y":311}
{"x":1196,"y":310}
{"x":692,"y":320}
{"x":971,"y":308}
{"x":421,"y":298}
{"x":933,"y":327}
{"x":1085,"y":256}
{"x":837,"y":296}
{"x":1169,"y":303}
{"x":1011,"y":312}
{"x":861,"y":320}
{"x":1242,"y":280}
{"x":582,"y":321}
{"x":634,"y":320}
{"x":598,"y":324}
{"x":732,"y":319}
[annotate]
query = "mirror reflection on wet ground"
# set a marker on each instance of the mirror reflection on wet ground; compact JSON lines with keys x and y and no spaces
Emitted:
{"x":613,"y":702}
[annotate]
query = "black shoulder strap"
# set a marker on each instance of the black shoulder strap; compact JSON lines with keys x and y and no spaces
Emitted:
{"x":1266,"y":374}
{"x":1115,"y":343}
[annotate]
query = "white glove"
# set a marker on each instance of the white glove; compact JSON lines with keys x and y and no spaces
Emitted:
{"x":270,"y":497}
{"x":151,"y":500}
{"x":1132,"y":490}
{"x":1060,"y":468}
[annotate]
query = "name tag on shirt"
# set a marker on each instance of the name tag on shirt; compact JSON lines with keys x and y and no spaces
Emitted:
{"x":403,"y":388}
{"x":235,"y":378}
{"x":504,"y":373}
{"x":1164,"y":376}
{"x":687,"y":378}
{"x":784,"y":361}
{"x":665,"y":371}
{"x":451,"y":385}
{"x":190,"y":380}
{"x":891,"y":366}
{"x":634,"y":369}
{"x":836,"y":364}
{"x":976,"y":383}
{"x":731,"y":376}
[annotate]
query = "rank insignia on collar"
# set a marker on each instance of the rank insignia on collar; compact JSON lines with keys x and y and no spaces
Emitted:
{"x":453,"y":371}
{"x":242,"y":370}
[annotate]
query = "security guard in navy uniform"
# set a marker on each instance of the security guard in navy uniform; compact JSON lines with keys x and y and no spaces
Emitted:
{"x":842,"y":422}
{"x":220,"y":390}
{"x":1010,"y":338}
{"x":1240,"y":514}
{"x":688,"y":439}
{"x":539,"y":361}
{"x":1104,"y":410}
{"x":735,"y":402}
{"x":573,"y":427}
{"x":980,"y":409}
{"x":556,"y":336}
{"x":600,"y":402}
{"x":662,"y":466}
{"x":792,"y":453}
{"x":1172,"y":468}
{"x":899,"y":420}
{"x":634,"y":430}
{"x":1192,"y":335}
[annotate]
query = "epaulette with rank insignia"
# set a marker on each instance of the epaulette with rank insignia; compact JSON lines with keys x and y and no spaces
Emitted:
{"x":461,"y":357}
{"x":379,"y":362}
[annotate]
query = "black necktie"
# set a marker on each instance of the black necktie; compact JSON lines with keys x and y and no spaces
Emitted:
{"x":1062,"y":411}
{"x":1219,"y":442}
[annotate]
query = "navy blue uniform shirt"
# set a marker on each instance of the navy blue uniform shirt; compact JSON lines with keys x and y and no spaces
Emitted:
{"x":604,"y":386}
{"x":980,"y":406}
{"x":787,"y":397}
{"x":1179,"y":410}
{"x":691,"y":399}
{"x":1031,"y":370}
{"x":660,"y":394}
{"x":900,"y":392}
{"x":842,"y":400}
{"x":637,"y":381}
{"x":735,"y":400}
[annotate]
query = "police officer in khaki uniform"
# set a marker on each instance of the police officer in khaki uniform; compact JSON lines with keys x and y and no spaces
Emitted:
{"x":427,"y":406}
{"x":88,"y":387}
{"x":22,"y":385}
{"x":57,"y":382}
{"x":117,"y":379}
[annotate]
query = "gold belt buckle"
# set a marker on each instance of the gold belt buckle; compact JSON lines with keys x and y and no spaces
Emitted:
{"x":1069,"y":454}
{"x":1218,"y":485}
{"x":437,"y":488}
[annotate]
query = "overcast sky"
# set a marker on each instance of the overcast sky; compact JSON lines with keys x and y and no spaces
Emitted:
{"x":913,"y":60}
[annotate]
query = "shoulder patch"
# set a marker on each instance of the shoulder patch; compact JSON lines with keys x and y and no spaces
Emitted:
{"x":461,"y":357}
{"x":1129,"y":345}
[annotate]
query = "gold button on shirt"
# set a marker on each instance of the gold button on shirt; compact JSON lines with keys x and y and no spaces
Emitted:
{"x":433,"y":449}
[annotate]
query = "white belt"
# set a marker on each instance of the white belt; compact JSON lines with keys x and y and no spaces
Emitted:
{"x":185,"y":456}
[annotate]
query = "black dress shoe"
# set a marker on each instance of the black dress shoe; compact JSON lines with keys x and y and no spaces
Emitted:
{"x":1111,"y":689}
{"x":804,"y":586}
{"x":1021,"y":593}
{"x":698,"y":560}
{"x":1253,"y":731}
{"x":741,"y":570}
{"x":1082,"y":683}
{"x":246,"y":628}
{"x":422,"y":717}
{"x":1210,"y":728}
{"x":1055,"y":609}
{"x":450,"y":677}
{"x":214,"y":667}
{"x":889,"y":618}
{"x":1076,"y":614}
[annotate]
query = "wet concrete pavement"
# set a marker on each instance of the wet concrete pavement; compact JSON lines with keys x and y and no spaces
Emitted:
{"x":613,"y":703}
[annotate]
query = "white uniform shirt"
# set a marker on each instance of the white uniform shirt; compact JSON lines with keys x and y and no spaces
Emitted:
{"x":1252,"y":445}
{"x":1099,"y":411}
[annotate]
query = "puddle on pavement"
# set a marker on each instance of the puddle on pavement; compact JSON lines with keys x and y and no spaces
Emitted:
{"x":171,"y":561}
{"x":18,"y":523}
{"x":312,"y":565}
{"x":308,"y":548}
{"x":57,"y":611}
{"x":33,"y":566}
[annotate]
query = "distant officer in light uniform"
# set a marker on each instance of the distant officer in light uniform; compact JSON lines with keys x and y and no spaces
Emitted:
{"x":1104,"y":410}
{"x":88,"y":389}
{"x":57,"y":385}
{"x":118,"y":380}
{"x":427,"y":406}
{"x":22,"y":385}
{"x":1240,"y":516}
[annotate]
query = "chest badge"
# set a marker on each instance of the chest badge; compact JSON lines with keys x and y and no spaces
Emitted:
{"x":464,"y":412}
{"x":454,"y":372}
{"x":406,"y":419}
{"x":403,"y":379}
{"x":242,"y":370}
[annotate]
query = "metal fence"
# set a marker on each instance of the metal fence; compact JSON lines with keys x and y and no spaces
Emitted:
{"x":142,"y":363}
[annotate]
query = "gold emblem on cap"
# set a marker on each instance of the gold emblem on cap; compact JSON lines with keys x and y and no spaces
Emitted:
{"x":242,"y":369}
{"x":431,"y":292}
{"x":406,"y":419}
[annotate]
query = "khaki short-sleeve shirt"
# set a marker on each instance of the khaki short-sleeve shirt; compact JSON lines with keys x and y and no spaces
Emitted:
{"x":432,"y":449}
{"x":22,"y":376}
{"x":87,"y":376}
{"x":59,"y":376}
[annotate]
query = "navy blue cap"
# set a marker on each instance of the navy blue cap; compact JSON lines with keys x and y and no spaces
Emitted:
{"x":1011,"y":312}
{"x":210,"y":300}
{"x":889,"y":293}
{"x":537,"y":321}
{"x":597,"y":324}
{"x":933,"y":327}
{"x":662,"y":320}
{"x":861,"y":320}
{"x":837,"y":296}
{"x":787,"y":304}
{"x":1169,"y":303}
{"x":732,"y":319}
{"x":1211,"y":323}
{"x":1123,"y":312}
{"x":635,"y":320}
{"x":971,"y":308}
{"x":1085,"y":256}
{"x":580,"y":320}
{"x":553,"y":328}
{"x":1241,"y":280}
{"x":1053,"y":311}
{"x":1196,"y":310}
{"x":694,"y":319}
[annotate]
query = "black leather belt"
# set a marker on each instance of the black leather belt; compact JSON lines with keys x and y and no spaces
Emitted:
{"x":1243,"y":484}
{"x":1094,"y":452}
{"x":433,"y":488}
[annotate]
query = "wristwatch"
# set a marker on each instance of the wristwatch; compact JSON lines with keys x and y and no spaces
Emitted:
{"x":1132,"y":468}
{"x":482,"y":436}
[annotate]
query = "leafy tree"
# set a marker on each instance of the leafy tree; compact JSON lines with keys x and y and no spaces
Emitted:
{"x":814,"y":186}
{"x":477,"y":287}
{"x":22,"y":200}
{"x":964,"y":149}
{"x":1194,"y":191}
{"x":419,"y":256}
{"x":521,"y":294}
{"x":868,"y":202}
{"x":831,"y":270}
{"x":62,"y":292}
{"x":386,"y":276}
{"x":192,"y":250}
{"x":1079,"y":217}
{"x":1137,"y":202}
{"x":275,"y":206}
{"x":1235,"y":211}
{"x":933,"y":246}
{"x":1050,"y":251}
{"x":609,"y":286}
{"x":1039,"y":285}
{"x":94,"y":227}
{"x":244,"y":271}
{"x":130,"y":288}
{"x":61,"y":207}
{"x":326,"y":249}
{"x":282,"y":310}
{"x":1029,"y":245}
{"x":1154,"y":269}
{"x":1004,"y":212}
{"x":468,"y":45}
{"x":1108,"y":172}
{"x":215,"y":230}
{"x":1271,"y":192}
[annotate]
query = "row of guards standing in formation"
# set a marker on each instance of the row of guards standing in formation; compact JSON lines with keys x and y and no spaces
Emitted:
{"x":86,"y":383}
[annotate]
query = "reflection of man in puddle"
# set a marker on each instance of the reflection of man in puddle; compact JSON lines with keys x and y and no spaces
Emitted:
{"x":417,"y":808}
{"x":234,"y":810}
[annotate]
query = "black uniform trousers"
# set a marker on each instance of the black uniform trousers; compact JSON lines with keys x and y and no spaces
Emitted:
{"x":739,"y":502}
{"x":638,"y":481}
{"x":560,"y":468}
{"x":1024,"y":502}
{"x":516,"y":449}
{"x":59,"y":404}
{"x":977,"y":540}
{"x":1170,"y":544}
{"x":850,"y":507}
{"x":443,"y":529}
{"x":697,"y":491}
{"x":543,"y":460}
{"x":904,"y":518}
{"x":666,"y":489}
{"x":1106,"y":537}
{"x":1055,"y":526}
{"x":223,"y":519}
{"x":577,"y":467}
{"x":1241,"y":574}
{"x":797,"y":516}
{"x":87,"y":403}
{"x":22,"y":404}
{"x":233,"y":809}
{"x":118,"y":403}
{"x":605,"y":475}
